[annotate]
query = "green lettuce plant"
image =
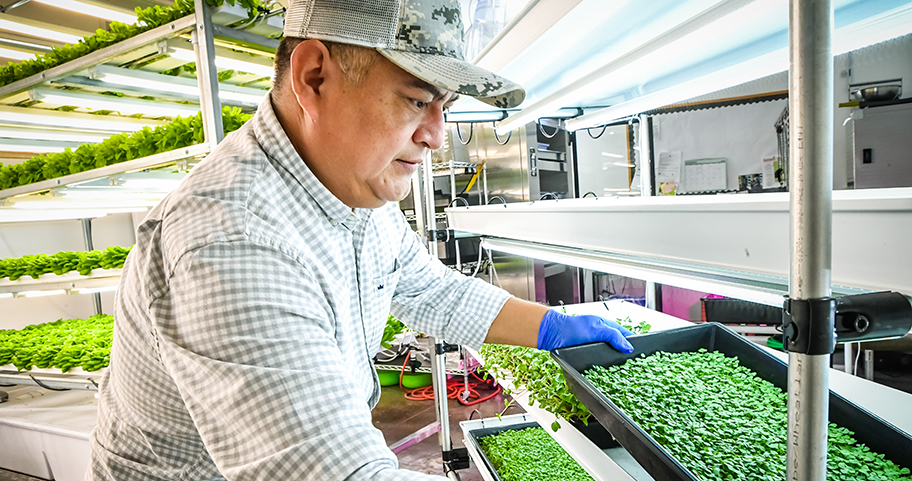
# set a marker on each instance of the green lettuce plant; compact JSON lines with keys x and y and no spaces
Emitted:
{"x":63,"y":262}
{"x":180,"y":132}
{"x":62,"y":344}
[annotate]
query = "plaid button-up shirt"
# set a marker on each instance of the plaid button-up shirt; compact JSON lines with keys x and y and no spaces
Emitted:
{"x":247,"y":317}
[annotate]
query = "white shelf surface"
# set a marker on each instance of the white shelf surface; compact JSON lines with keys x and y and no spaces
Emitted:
{"x":67,"y":282}
{"x":738,"y":244}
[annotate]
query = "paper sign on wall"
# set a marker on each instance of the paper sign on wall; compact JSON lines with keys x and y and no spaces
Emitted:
{"x":705,"y":175}
{"x":668,"y":172}
{"x":773,"y":175}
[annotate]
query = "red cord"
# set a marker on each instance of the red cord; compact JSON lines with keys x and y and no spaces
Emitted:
{"x":455,"y":388}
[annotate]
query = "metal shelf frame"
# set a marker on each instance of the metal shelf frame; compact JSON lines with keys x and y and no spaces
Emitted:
{"x":66,"y":282}
{"x":153,"y":161}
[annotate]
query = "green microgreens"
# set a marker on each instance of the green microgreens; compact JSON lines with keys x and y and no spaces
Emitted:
{"x":723,"y":422}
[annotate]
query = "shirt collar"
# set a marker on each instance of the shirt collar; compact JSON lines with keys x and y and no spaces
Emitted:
{"x":275,"y":143}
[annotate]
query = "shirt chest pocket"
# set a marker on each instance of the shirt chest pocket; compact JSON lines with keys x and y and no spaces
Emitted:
{"x":376,"y":296}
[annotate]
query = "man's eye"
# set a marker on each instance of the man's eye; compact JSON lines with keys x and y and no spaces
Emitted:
{"x":419,"y":103}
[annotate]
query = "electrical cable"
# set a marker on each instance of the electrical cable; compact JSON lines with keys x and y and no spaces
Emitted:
{"x":478,"y":264}
{"x":855,"y":364}
{"x":455,"y":388}
{"x":41,"y":384}
{"x":494,"y":271}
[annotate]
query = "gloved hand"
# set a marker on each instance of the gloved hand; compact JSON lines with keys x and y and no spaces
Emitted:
{"x":560,"y":330}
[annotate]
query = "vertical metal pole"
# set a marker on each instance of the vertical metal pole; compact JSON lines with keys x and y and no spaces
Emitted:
{"x":207,"y":75}
{"x":90,"y":246}
{"x":849,"y":358}
{"x":438,"y":357}
{"x":869,"y":363}
{"x":811,"y":206}
{"x":645,"y":149}
{"x":417,"y":204}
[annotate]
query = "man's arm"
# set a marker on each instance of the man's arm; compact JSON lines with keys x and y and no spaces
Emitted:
{"x":517,"y":323}
{"x":250,"y":340}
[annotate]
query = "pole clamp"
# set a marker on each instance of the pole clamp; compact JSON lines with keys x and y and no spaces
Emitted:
{"x":809,"y":325}
{"x":457,"y":458}
{"x":813,"y":326}
{"x":443,"y":348}
{"x":440,"y":235}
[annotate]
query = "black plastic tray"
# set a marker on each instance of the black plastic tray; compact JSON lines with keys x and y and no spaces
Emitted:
{"x":475,"y":434}
{"x":869,"y":429}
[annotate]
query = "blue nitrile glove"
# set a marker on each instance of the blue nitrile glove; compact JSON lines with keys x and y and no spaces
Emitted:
{"x":560,"y":330}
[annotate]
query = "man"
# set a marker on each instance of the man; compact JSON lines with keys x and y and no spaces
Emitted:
{"x":257,"y":293}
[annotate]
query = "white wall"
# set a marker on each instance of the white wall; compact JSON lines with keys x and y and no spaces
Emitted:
{"x":702,"y":131}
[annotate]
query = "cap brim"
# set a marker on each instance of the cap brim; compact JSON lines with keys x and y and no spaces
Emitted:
{"x":459,"y":76}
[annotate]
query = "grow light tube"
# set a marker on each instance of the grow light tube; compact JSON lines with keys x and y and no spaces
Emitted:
{"x":33,"y":146}
{"x":16,"y":25}
{"x":122,"y":105}
{"x":53,"y":118}
{"x":89,"y":9}
{"x":224,"y":63}
{"x":888,"y":25}
{"x":55,"y":292}
{"x":693,"y":31}
{"x":136,"y":79}
{"x":630,"y":267}
{"x":15,"y":54}
{"x":57,"y":135}
{"x":95,"y":290}
{"x":6,"y":295}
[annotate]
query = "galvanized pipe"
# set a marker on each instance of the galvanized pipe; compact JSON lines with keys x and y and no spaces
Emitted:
{"x":90,"y":246}
{"x":438,"y":361}
{"x":645,"y":149}
{"x":811,"y":212}
{"x":204,"y":48}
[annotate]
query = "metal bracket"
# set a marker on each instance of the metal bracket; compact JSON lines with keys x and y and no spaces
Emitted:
{"x":440,"y":235}
{"x":533,"y":162}
{"x":808,"y":325}
{"x":443,"y":348}
{"x":813,"y":326}
{"x":457,"y":458}
{"x":872,"y":316}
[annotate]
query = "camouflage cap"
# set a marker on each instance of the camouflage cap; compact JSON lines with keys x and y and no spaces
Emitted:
{"x":424,"y":37}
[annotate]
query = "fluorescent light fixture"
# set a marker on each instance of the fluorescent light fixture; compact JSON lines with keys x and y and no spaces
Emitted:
{"x":136,"y":79}
{"x":481,"y":116}
{"x":89,"y":9}
{"x":623,"y":164}
{"x":28,"y":45}
{"x":10,"y":215}
{"x":116,"y":104}
{"x":55,"y":292}
{"x":113,"y":204}
{"x":8,"y":22}
{"x":735,"y":75}
{"x":152,"y":184}
{"x":635,"y":268}
{"x":53,"y":118}
{"x":96,"y":290}
{"x":6,"y":295}
{"x":225,"y":63}
{"x":616,"y":156}
{"x":15,"y":54}
{"x":33,"y":146}
{"x":58,"y":135}
{"x":715,"y":15}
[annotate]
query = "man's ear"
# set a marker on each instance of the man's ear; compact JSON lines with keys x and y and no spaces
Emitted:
{"x":309,"y":68}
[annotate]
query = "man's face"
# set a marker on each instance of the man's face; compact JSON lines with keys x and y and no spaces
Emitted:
{"x":373,"y":136}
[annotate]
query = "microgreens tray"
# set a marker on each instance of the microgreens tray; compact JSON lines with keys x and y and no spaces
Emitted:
{"x":870,"y":430}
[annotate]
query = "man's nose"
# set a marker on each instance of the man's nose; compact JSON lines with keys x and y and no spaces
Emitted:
{"x":431,"y":131}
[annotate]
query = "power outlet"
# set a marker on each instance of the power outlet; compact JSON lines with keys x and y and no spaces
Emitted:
{"x":867,"y":156}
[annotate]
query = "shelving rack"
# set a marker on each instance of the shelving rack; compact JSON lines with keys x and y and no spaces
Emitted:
{"x":636,"y":57}
{"x":65,"y":197}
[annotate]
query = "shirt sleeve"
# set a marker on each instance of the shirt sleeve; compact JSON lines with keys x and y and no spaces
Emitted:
{"x":438,"y":301}
{"x":251,"y":348}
